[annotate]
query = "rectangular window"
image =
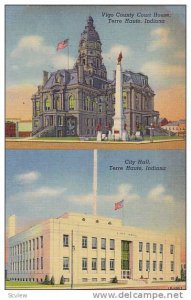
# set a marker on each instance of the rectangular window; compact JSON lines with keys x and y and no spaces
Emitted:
{"x":172,"y":266}
{"x":171,"y":249}
{"x":41,"y":263}
{"x":112,"y":244}
{"x":94,"y":243}
{"x":37,"y":263}
{"x":103,"y":264}
{"x":147,"y":265}
{"x":30,"y":264}
{"x":65,"y":263}
{"x":112,"y":264}
{"x":160,"y":265}
{"x":33,"y":241}
{"x":140,"y":247}
{"x":154,"y":265}
{"x":30,"y":245}
{"x":26,"y":246}
{"x":23,"y":265}
{"x":37,"y":243}
{"x":154,"y":247}
{"x":27,"y":264}
{"x":161,"y":248}
{"x":23,"y":247}
{"x":84,"y":242}
{"x":33,"y":264}
{"x":94,"y":263}
{"x":17,"y":249}
{"x":147,"y":247}
{"x":41,"y":241}
{"x":103,"y":243}
{"x":140,"y":265}
{"x":84,"y":263}
{"x":65,"y":240}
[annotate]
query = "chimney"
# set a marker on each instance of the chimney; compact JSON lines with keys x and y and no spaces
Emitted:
{"x":11,"y":226}
{"x":45,"y":77}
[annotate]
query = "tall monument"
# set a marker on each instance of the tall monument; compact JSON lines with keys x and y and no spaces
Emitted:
{"x":119,"y":119}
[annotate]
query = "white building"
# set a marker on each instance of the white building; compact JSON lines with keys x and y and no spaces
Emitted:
{"x":87,"y":248}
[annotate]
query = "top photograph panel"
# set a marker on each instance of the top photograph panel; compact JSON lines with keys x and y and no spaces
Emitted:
{"x":95,"y":77}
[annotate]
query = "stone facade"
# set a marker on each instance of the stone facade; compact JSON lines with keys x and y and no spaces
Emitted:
{"x":76,"y":101}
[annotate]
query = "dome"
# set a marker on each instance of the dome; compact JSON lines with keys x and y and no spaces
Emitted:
{"x":90,"y":34}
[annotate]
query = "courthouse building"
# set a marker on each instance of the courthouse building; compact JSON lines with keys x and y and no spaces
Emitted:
{"x":87,"y":248}
{"x":74,"y":102}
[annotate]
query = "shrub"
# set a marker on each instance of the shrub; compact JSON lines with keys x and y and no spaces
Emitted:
{"x":46,"y":280}
{"x":62,"y":280}
{"x":52,"y":281}
{"x":114,"y":280}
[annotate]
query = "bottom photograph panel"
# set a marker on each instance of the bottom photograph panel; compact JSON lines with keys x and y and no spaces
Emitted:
{"x":81,"y":219}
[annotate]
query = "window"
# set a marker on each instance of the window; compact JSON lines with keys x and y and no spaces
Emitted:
{"x":26,"y":247}
{"x":100,"y":108}
{"x":33,"y":264}
{"x":103,"y":264}
{"x":112,"y":264}
{"x":94,"y":243}
{"x":23,"y":247}
{"x":84,"y":263}
{"x":47,"y":103}
{"x":30,"y":245}
{"x":154,"y":265}
{"x":112,"y":244}
{"x":30,"y":264}
{"x":140,"y":265}
{"x":65,"y":240}
{"x":160,"y":265}
{"x":84,"y":280}
{"x":26,"y":265}
{"x":37,"y":243}
{"x":140,"y":247}
{"x":171,"y":249}
{"x":147,"y":265}
{"x":37,"y":263}
{"x":84,"y":242}
{"x":103,"y":243}
{"x":147,"y":247}
{"x":33,"y":244}
{"x":154,"y":248}
{"x":94,"y":263}
{"x":65,"y":263}
{"x":41,"y":263}
{"x":41,"y":241}
{"x":71,"y":102}
{"x":161,"y":248}
{"x":172,"y":266}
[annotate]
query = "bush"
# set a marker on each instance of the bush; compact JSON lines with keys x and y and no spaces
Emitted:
{"x":114,"y":280}
{"x":46,"y":280}
{"x":52,"y":281}
{"x":62,"y":280}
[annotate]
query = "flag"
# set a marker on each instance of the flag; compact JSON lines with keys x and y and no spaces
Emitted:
{"x":119,"y":204}
{"x":62,"y":44}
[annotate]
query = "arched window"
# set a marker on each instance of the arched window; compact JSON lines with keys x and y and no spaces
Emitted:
{"x":71,"y":102}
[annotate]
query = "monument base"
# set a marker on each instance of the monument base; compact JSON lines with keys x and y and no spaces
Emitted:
{"x":99,"y":136}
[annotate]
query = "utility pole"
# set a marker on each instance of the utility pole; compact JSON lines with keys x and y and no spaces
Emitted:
{"x":72,"y":260}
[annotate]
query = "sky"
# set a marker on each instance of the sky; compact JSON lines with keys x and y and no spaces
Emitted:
{"x":42,"y":184}
{"x":158,"y":50}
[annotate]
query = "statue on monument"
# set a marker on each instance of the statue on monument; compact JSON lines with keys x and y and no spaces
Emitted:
{"x":119,"y":57}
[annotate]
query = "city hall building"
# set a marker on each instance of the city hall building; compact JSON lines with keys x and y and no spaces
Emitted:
{"x":75,"y":102}
{"x":91,"y":249}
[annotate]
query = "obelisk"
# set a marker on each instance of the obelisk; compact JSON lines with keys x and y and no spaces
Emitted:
{"x":118,"y":118}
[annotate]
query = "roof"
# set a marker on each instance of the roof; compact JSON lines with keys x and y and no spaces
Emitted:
{"x":62,"y":77}
{"x":90,"y":34}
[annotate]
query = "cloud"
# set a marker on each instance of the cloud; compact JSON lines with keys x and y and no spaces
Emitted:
{"x":28,"y":177}
{"x":180,"y":54}
{"x":46,"y":192}
{"x":124,"y":192}
{"x":163,"y":70}
{"x":32,"y":51}
{"x":115,"y":50}
{"x":82,"y":199}
{"x":160,"y":39}
{"x":159,"y":194}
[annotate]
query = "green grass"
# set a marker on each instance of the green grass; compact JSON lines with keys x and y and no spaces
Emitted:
{"x":66,"y":138}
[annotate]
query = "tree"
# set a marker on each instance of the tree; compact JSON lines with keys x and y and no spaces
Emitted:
{"x":46,"y":280}
{"x":62,"y":280}
{"x":52,"y":281}
{"x":182,"y":274}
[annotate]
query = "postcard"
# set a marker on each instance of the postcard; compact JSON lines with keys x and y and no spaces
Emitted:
{"x":115,"y":75}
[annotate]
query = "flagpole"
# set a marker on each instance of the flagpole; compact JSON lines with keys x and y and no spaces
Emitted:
{"x":68,"y":55}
